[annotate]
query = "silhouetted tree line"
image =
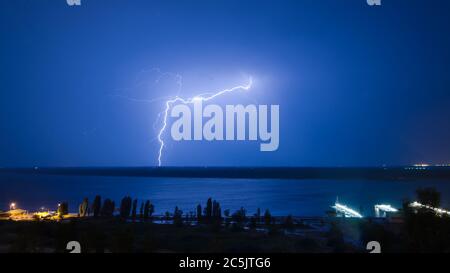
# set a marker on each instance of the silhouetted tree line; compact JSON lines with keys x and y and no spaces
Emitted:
{"x":127,"y":209}
{"x":211,"y":213}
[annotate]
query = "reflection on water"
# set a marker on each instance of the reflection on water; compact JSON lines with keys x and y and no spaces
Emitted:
{"x":282,"y":197}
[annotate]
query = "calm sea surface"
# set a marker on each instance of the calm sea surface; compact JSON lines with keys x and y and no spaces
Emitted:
{"x":282,"y":197}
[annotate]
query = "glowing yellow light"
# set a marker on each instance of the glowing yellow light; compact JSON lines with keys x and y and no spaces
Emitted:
{"x":421,"y":165}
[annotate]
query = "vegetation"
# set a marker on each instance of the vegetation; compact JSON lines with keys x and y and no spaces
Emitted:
{"x":429,"y":196}
{"x":96,"y":205}
{"x":148,"y":210}
{"x":125,"y":207}
{"x":108,"y":208}
{"x":422,"y":230}
{"x":267,"y":217}
{"x":83,"y":208}
{"x":178,"y":217}
{"x":199,"y":212}
{"x":133,"y":210}
{"x":63,"y":209}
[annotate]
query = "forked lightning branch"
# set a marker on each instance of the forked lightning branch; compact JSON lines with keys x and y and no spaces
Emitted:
{"x":194,"y":120}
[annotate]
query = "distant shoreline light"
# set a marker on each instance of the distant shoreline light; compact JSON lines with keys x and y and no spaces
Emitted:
{"x":439,"y":211}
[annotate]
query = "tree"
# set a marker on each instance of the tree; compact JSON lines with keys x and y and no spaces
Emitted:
{"x":429,"y":196}
{"x":208,"y":209}
{"x":227,"y":217}
{"x":178,"y":217}
{"x":125,"y":207}
{"x":216,"y":210}
{"x":148,"y":209}
{"x":107,"y":208}
{"x":63,"y":209}
{"x":133,"y":210}
{"x":240,"y":215}
{"x":151,"y":210}
{"x":141,"y":211}
{"x":167,"y":216}
{"x":96,"y":205}
{"x":199,"y":212}
{"x":83,"y":208}
{"x":267,"y":217}
{"x":258,"y":215}
{"x":226,"y":213}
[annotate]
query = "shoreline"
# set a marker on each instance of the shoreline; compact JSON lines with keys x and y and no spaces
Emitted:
{"x":336,"y":173}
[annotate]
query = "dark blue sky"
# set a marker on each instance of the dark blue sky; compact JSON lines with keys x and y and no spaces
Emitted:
{"x":356,"y":85}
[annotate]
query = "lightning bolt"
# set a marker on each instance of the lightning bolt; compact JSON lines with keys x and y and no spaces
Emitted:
{"x":200,"y":97}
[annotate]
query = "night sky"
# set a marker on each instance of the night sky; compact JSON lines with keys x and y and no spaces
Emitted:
{"x":357,"y":85}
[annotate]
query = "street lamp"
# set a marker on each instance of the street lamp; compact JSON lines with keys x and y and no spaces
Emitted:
{"x":12,"y":206}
